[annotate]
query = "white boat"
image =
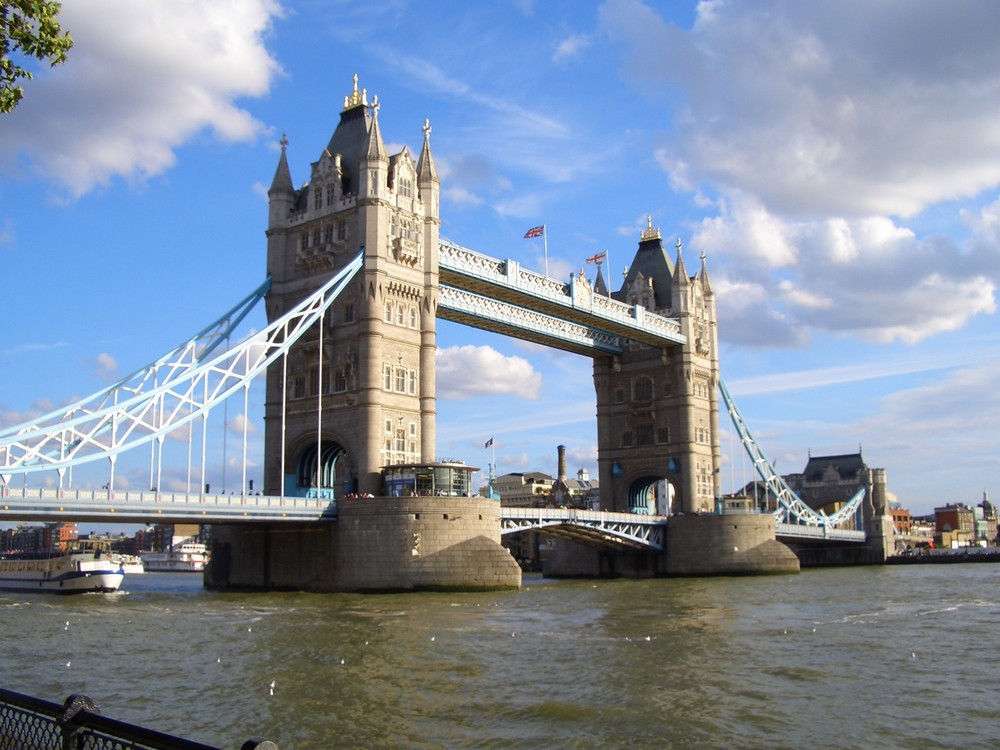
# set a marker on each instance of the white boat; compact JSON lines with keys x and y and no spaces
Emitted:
{"x":131,"y":564}
{"x":73,"y":572}
{"x":187,"y":557}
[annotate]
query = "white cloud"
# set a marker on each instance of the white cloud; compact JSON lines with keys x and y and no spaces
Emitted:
{"x":815,"y":141}
{"x":141,"y":80}
{"x":467,"y":371}
{"x":778,"y":281}
{"x":106,"y":367}
{"x":461,"y":197}
{"x":791,"y":103}
{"x":570,"y":47}
{"x":237,"y":424}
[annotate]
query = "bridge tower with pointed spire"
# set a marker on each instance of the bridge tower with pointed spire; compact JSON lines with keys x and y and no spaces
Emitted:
{"x":657,"y":408}
{"x":372,"y":364}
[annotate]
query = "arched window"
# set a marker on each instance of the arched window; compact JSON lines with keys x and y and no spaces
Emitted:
{"x":643,"y":389}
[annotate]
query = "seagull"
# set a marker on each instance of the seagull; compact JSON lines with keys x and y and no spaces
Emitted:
{"x":218,"y":660}
{"x":69,"y":663}
{"x":249,"y":630}
{"x":341,"y":661}
{"x":913,"y":654}
{"x":272,"y":687}
{"x":432,"y":637}
{"x":66,"y":626}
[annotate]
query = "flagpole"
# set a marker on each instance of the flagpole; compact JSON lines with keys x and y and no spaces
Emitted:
{"x":545,"y":245}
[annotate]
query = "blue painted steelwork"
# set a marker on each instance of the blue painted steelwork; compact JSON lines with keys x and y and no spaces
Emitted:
{"x":792,"y":511}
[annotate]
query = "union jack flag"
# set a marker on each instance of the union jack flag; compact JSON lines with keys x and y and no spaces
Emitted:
{"x":535,"y":232}
{"x":599,"y":258}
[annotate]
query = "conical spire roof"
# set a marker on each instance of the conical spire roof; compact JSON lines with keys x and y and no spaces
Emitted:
{"x":375,"y":148}
{"x":706,"y":285}
{"x":425,"y":165}
{"x":651,"y":262}
{"x":680,"y":273}
{"x":282,"y":181}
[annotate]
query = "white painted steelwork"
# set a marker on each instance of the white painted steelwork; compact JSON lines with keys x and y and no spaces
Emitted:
{"x":593,"y":526}
{"x":151,"y":412}
{"x":491,"y":278}
{"x":462,"y":306}
{"x":38,"y":504}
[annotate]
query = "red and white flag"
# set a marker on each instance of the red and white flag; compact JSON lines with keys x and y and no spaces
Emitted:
{"x":535,"y":232}
{"x":599,"y":258}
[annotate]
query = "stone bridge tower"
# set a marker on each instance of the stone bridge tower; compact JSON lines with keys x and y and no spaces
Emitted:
{"x":363,"y":395}
{"x":658,"y":409}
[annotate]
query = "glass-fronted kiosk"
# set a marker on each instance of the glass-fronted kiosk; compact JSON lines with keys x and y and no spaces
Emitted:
{"x":445,"y":478}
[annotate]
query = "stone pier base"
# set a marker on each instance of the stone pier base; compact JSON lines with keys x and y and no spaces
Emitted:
{"x":732,"y":544}
{"x":377,"y":544}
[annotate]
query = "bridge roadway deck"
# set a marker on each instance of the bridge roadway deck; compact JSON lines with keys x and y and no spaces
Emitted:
{"x":608,"y":529}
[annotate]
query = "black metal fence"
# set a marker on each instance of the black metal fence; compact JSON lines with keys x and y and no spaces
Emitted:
{"x":28,"y":723}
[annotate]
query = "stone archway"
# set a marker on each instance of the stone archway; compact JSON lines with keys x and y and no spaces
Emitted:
{"x":651,"y":495}
{"x":324,"y":472}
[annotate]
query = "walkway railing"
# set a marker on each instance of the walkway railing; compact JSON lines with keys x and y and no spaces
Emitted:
{"x":37,"y":504}
{"x":507,"y":279}
{"x":594,"y":526}
{"x":27,"y":722}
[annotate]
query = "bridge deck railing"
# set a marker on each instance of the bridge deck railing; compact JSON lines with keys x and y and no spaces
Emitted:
{"x":510,"y":274}
{"x":152,"y":504}
{"x":803,"y":531}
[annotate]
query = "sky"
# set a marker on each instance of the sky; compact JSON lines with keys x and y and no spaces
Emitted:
{"x":838,"y":163}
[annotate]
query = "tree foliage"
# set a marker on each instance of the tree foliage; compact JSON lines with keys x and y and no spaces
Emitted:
{"x":28,"y":28}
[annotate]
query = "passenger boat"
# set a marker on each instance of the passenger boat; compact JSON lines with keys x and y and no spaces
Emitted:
{"x":187,"y":557}
{"x":73,"y":572}
{"x":131,"y":564}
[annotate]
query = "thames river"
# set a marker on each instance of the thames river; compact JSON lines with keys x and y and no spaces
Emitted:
{"x":880,"y":657}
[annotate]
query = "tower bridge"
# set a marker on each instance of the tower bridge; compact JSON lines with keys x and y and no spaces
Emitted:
{"x":357,"y":277}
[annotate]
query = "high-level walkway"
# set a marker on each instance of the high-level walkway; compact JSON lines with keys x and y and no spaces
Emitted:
{"x":503,"y":297}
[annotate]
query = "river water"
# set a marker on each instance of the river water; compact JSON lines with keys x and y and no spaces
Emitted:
{"x":879,"y":657}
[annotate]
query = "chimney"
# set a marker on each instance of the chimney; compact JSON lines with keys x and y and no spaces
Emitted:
{"x":561,"y":464}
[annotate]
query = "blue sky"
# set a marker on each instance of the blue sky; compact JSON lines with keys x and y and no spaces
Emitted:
{"x":838,"y":163}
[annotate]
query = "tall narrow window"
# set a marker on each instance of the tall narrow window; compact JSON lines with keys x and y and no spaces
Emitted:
{"x":643,"y":389}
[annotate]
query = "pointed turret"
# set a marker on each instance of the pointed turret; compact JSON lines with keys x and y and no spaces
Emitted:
{"x":282,"y":182}
{"x":281,"y":194}
{"x":706,"y":285}
{"x":375,"y":148}
{"x":599,"y":286}
{"x":680,"y":272}
{"x":426,"y":172}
